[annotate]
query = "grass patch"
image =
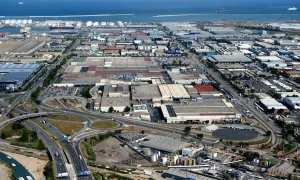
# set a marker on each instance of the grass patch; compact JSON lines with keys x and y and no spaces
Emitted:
{"x":66,"y":118}
{"x":55,"y":103}
{"x":67,"y":128}
{"x":105,"y":124}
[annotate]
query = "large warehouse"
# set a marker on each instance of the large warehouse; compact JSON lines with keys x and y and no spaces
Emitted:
{"x":13,"y":76}
{"x":107,"y":70}
{"x":201,"y":111}
{"x":173,"y":91}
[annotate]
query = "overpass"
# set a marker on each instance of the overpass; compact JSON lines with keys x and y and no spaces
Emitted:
{"x":26,"y":117}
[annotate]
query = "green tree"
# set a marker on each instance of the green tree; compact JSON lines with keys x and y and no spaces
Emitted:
{"x":187,"y":130}
{"x":127,"y":109}
{"x":111,"y":109}
{"x":48,"y":171}
{"x":17,"y":125}
{"x":40,"y":145}
{"x":200,"y":136}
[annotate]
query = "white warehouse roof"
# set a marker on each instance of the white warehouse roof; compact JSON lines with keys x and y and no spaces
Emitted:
{"x":271,"y":103}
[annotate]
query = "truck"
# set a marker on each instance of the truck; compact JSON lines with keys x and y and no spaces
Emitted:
{"x":84,"y":173}
{"x":62,"y":175}
{"x":66,"y":138}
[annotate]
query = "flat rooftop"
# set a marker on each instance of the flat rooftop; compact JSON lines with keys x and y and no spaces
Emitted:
{"x":145,"y":92}
{"x":173,"y":90}
{"x":164,"y":143}
{"x":17,"y":73}
{"x":115,"y":101}
{"x":115,"y":62}
{"x":230,"y":59}
{"x":211,"y":107}
{"x":20,"y":47}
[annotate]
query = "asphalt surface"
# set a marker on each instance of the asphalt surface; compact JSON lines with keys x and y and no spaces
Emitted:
{"x":51,"y":146}
{"x":73,"y":151}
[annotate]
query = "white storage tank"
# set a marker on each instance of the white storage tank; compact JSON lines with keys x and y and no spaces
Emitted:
{"x":89,"y":23}
{"x":79,"y":24}
{"x":154,"y":157}
{"x":103,"y":23}
{"x":164,"y":160}
{"x":13,"y":21}
{"x":24,"y":21}
{"x":111,"y":23}
{"x":95,"y":24}
{"x":120,"y":23}
{"x":7,"y":21}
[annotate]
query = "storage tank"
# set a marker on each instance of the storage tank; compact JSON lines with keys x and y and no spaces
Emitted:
{"x":164,"y":160}
{"x":154,"y":157}
{"x":95,"y":24}
{"x":79,"y":24}
{"x":13,"y":21}
{"x":175,"y":158}
{"x":19,"y":21}
{"x":111,"y":23}
{"x":7,"y":21}
{"x":89,"y":23}
{"x":24,"y":21}
{"x":120,"y":23}
{"x":103,"y":23}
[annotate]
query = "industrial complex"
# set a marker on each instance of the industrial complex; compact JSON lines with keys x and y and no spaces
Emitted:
{"x":123,"y":100}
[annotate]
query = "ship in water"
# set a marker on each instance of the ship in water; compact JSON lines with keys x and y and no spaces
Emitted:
{"x":292,"y":8}
{"x":61,"y":27}
{"x":20,"y":3}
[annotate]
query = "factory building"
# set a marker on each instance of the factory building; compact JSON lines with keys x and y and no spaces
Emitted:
{"x":115,"y":96}
{"x":145,"y":93}
{"x":169,"y":92}
{"x":293,"y":102}
{"x":14,"y":76}
{"x":203,"y":110}
{"x":271,"y":104}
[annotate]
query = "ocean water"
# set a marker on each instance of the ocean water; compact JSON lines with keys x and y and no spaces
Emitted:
{"x":151,"y":10}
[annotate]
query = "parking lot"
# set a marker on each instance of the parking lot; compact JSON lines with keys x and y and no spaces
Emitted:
{"x":63,"y":91}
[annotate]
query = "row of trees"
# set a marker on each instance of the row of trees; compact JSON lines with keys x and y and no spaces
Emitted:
{"x":111,"y":109}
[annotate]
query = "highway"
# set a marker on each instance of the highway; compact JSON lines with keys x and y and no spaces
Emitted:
{"x":73,"y":155}
{"x":51,"y":146}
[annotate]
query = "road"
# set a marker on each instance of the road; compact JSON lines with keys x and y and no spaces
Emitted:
{"x":73,"y":155}
{"x":263,"y":119}
{"x":51,"y":146}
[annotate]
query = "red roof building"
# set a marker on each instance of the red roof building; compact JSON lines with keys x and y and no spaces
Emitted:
{"x":204,"y":88}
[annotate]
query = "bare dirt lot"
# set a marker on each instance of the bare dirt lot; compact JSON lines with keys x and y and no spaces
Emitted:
{"x":110,"y":152}
{"x":5,"y":172}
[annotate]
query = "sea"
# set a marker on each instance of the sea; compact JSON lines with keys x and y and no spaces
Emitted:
{"x":151,"y":10}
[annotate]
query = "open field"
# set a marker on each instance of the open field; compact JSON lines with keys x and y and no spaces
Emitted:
{"x":66,"y":118}
{"x":55,"y":103}
{"x":110,"y":152}
{"x":105,"y":124}
{"x":68,"y":128}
